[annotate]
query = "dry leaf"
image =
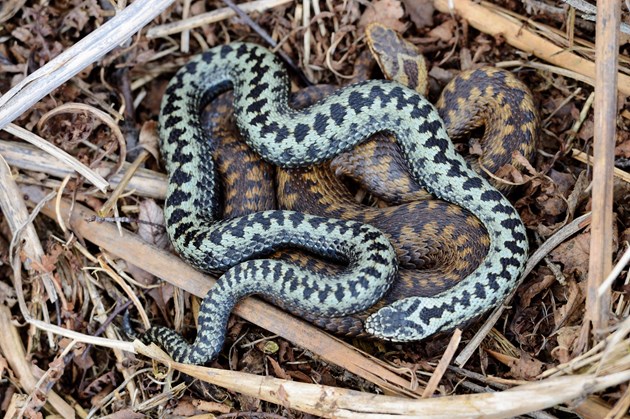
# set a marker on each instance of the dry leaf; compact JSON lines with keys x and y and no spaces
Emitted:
{"x":151,"y":228}
{"x":300,"y":376}
{"x":536,"y":288}
{"x":565,"y":337}
{"x":385,"y":12}
{"x":208,"y":406}
{"x":149,"y":138}
{"x":420,"y":12}
{"x":573,"y":254}
{"x":526,"y":367}
{"x":575,"y":297}
{"x":623,"y":150}
{"x":277,"y":369}
{"x":445,"y":32}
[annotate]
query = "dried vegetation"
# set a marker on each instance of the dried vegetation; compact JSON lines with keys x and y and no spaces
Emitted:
{"x":65,"y":280}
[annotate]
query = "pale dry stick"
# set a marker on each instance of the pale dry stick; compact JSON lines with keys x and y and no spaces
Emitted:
{"x":606,"y":284}
{"x":320,"y":23}
{"x":101,"y":314}
{"x":589,"y":12}
{"x":65,"y":158}
{"x":515,"y":33}
{"x":212,"y":17}
{"x":306,"y":59}
{"x":59,"y":196}
{"x":616,"y":343}
{"x":17,"y":216}
{"x":124,"y":182}
{"x":586,"y":108}
{"x":185,"y":35}
{"x":620,"y":409}
{"x":85,"y":52}
{"x":588,"y":159}
{"x":13,"y":351}
{"x":605,"y":115}
{"x":554,"y":69}
{"x":442,"y":366}
{"x":335,"y":402}
{"x":615,"y":339}
{"x":9,"y":9}
{"x":169,"y":267}
{"x":581,"y":361}
{"x":551,"y":243}
{"x":592,"y":407}
{"x":144,"y":182}
{"x":105,"y":267}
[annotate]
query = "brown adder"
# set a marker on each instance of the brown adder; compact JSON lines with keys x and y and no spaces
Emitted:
{"x":444,"y":243}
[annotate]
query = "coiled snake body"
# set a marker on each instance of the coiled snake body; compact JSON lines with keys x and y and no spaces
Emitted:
{"x":290,"y":138}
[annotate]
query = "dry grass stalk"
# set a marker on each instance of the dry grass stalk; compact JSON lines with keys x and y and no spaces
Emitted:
{"x":85,"y":52}
{"x":487,"y":20}
{"x":144,"y":182}
{"x":442,"y":366}
{"x":13,"y":350}
{"x":212,"y":17}
{"x":25,"y":241}
{"x":605,"y":108}
{"x":335,"y":402}
{"x":586,"y":159}
{"x":60,"y":155}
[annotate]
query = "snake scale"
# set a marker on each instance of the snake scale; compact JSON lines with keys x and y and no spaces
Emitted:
{"x":291,"y":138}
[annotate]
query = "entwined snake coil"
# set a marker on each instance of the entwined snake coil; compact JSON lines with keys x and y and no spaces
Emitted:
{"x":290,"y":138}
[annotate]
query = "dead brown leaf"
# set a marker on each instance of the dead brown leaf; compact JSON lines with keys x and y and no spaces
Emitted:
{"x":575,"y":298}
{"x":526,"y":367}
{"x":445,"y":32}
{"x":535,"y":289}
{"x":386,"y":12}
{"x":563,"y":181}
{"x":623,"y":150}
{"x":420,"y":12}
{"x":300,"y":376}
{"x":149,"y":138}
{"x":208,"y":406}
{"x":587,"y":130}
{"x":96,"y":387}
{"x":573,"y":254}
{"x":126,"y":414}
{"x":566,"y":336}
{"x":151,"y":228}
{"x":277,"y":369}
